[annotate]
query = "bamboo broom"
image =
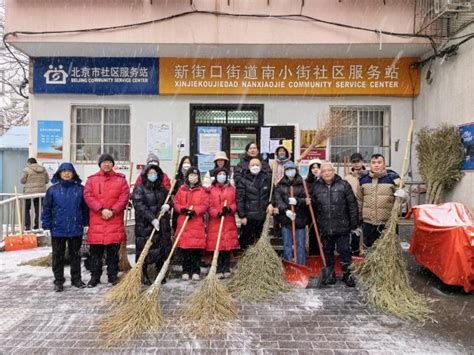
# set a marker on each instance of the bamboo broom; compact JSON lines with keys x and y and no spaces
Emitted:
{"x":383,"y":275}
{"x":125,"y":321}
{"x":128,"y":288}
{"x":124,"y":264}
{"x":259,"y":274}
{"x":208,"y":310}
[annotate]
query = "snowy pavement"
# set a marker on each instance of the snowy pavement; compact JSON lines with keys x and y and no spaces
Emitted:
{"x":36,"y":320}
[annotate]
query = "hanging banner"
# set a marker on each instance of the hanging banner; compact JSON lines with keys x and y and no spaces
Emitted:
{"x":324,"y":77}
{"x":467,"y":138}
{"x":159,"y":140}
{"x":50,"y":140}
{"x":99,"y":76}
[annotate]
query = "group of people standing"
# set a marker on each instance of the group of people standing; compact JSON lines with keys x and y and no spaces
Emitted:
{"x":345,"y":209}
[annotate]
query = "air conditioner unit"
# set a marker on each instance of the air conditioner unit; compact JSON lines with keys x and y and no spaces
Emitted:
{"x":441,"y":6}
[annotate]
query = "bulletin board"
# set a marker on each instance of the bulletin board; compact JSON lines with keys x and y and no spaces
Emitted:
{"x":273,"y":136}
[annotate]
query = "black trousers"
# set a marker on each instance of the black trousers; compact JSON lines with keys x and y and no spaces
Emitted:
{"x":223,"y":262}
{"x":371,"y":233}
{"x":111,"y":259}
{"x":313,"y":243}
{"x":250,"y":233}
{"x":191,"y":261}
{"x":27,"y":213}
{"x":59,"y":251}
{"x":343,"y":246}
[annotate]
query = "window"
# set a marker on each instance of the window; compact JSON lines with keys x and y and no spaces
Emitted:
{"x":100,"y":129}
{"x":368,"y":132}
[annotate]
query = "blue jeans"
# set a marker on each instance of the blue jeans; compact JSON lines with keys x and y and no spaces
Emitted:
{"x":288,"y":245}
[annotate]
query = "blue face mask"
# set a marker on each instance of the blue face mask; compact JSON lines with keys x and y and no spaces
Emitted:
{"x":221,"y":179}
{"x":291,"y":173}
{"x":281,"y":158}
{"x":152,"y":177}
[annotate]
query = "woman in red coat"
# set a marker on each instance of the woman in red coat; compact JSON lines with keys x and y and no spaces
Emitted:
{"x":106,"y":194}
{"x":193,"y":239}
{"x":220,"y":192}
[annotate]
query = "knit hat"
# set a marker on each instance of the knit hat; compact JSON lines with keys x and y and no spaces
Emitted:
{"x":356,"y":156}
{"x":152,"y":157}
{"x":106,"y":157}
{"x":220,"y":156}
{"x":314,"y":161}
{"x":289,"y":165}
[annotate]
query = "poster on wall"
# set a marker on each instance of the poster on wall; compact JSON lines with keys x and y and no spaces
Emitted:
{"x":159,"y":139}
{"x":467,"y":138}
{"x":318,"y":152}
{"x":50,"y":139}
{"x":209,"y":140}
{"x":205,"y":163}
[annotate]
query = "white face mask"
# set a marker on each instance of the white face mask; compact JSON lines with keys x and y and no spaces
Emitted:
{"x":221,"y":179}
{"x":255,"y":170}
{"x":185,"y":167}
{"x":193,"y":179}
{"x":291,"y":173}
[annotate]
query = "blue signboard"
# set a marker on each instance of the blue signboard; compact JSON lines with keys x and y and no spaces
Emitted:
{"x":50,"y":139}
{"x":99,"y":76}
{"x":467,"y":137}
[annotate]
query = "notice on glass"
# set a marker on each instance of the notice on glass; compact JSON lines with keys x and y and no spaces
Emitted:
{"x":209,"y":140}
{"x":265,"y":140}
{"x":159,"y":139}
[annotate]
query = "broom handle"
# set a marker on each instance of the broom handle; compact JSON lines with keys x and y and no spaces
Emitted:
{"x":218,"y":244}
{"x":293,"y":226}
{"x":18,"y":211}
{"x":315,"y":226}
{"x":407,"y":153}
{"x":273,"y":180}
{"x":164,"y":268}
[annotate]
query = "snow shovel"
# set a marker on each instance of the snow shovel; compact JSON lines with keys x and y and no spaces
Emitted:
{"x":22,"y":241}
{"x":296,"y":274}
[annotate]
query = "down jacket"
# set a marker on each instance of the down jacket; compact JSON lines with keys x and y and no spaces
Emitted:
{"x":375,"y":195}
{"x":336,"y":207}
{"x":34,"y":177}
{"x":253,"y":192}
{"x":65,"y":212}
{"x":243,"y":166}
{"x":218,"y":194}
{"x":194,"y":235}
{"x":106,"y":190}
{"x":148,"y":197}
{"x":282,"y":195}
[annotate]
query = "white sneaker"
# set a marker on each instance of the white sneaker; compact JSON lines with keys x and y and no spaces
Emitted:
{"x":227,"y":274}
{"x":196,"y":277}
{"x":185,"y":277}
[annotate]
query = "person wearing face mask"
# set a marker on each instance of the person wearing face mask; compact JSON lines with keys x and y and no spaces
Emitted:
{"x":220,"y":161}
{"x":153,"y":159}
{"x":251,"y":152}
{"x":314,"y":174}
{"x":282,"y":156}
{"x":148,"y":199}
{"x":220,"y":192}
{"x":193,"y":239}
{"x":284,"y":201}
{"x":65,"y":216}
{"x":253,"y":192}
{"x":185,"y":163}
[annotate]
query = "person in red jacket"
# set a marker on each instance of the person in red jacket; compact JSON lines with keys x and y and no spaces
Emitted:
{"x":193,"y":239}
{"x":222,"y":191}
{"x":153,"y":159}
{"x":106,"y":194}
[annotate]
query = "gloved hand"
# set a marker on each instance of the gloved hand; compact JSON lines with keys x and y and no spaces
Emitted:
{"x":165,"y":208}
{"x":190,"y":214}
{"x":184,"y":210}
{"x":292,"y":201}
{"x":86,"y":229}
{"x":291,"y":215}
{"x":401,"y":193}
{"x":156,"y":224}
{"x":226,"y":210}
{"x":357,"y":232}
{"x":47,"y":233}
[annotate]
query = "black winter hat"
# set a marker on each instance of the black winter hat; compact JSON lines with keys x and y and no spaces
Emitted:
{"x":356,"y":156}
{"x":105,"y":157}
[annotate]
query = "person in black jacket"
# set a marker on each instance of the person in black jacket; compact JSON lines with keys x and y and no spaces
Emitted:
{"x":284,"y":199}
{"x":337,"y":214}
{"x":253,"y":192}
{"x":148,"y":199}
{"x":251,"y":151}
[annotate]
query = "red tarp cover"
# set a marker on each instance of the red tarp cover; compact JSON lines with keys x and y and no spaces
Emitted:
{"x":443,"y":242}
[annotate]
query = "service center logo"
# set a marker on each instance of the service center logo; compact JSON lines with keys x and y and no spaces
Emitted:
{"x":56,"y":75}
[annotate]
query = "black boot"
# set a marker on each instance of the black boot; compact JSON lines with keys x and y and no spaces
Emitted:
{"x":327,"y":277}
{"x":331,"y":278}
{"x":94,"y":281}
{"x":78,"y":284}
{"x":348,"y":279}
{"x":146,"y":279}
{"x":58,"y":287}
